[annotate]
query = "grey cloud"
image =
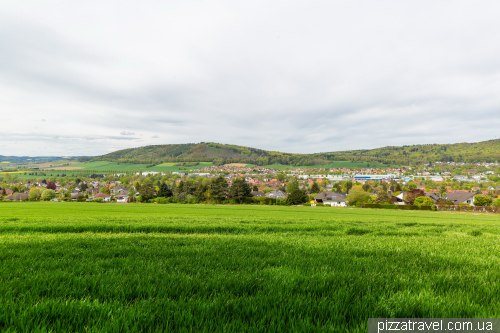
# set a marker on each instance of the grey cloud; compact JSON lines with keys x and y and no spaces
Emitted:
{"x":337,"y":77}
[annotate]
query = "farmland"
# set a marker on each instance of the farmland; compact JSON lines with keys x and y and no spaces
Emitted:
{"x":105,"y":166}
{"x":206,"y":268}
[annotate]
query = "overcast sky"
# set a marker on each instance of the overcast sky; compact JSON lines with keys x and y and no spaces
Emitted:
{"x":91,"y":77}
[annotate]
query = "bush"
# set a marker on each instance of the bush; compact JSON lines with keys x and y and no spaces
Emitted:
{"x":482,"y":200}
{"x":97,"y":200}
{"x":425,"y":201}
{"x":496,"y":203}
{"x":48,"y":195}
{"x":162,"y":200}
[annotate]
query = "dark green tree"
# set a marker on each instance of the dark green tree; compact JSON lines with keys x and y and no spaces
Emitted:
{"x":147,"y":189}
{"x":297,"y":197}
{"x":255,"y":188}
{"x":200,"y":191}
{"x":164,"y":191}
{"x":314,"y":188}
{"x":218,"y":189}
{"x":239,"y":190}
{"x":366,"y":187}
{"x":348,"y":186}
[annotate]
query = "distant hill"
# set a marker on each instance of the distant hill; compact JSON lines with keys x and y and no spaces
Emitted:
{"x":32,"y":159}
{"x":486,"y":151}
{"x":208,"y":152}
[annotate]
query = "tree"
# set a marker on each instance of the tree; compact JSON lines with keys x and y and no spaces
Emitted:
{"x":164,"y":191}
{"x":239,"y":190}
{"x":281,"y":177}
{"x":131,"y":193}
{"x":51,"y":186}
{"x":413,"y":194}
{"x":33,"y":196}
{"x":366,"y":187}
{"x":348,"y":186}
{"x":83,"y":187}
{"x":496,"y":203}
{"x":382,"y":195}
{"x":314,"y":188}
{"x":67,"y":195}
{"x":481,"y":200}
{"x":200,"y":192}
{"x":442,"y":190}
{"x":137,"y":186}
{"x":423,"y":201}
{"x":297,"y":197}
{"x":218,"y":189}
{"x":255,"y":188}
{"x":147,"y":189}
{"x":412,"y":186}
{"x":356,"y":198}
{"x":49,"y":195}
{"x":292,"y":185}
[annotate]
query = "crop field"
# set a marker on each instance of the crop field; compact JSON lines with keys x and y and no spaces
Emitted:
{"x":89,"y":267}
{"x":106,"y":166}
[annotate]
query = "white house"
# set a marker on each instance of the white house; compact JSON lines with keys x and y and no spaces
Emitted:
{"x":336,"y":199}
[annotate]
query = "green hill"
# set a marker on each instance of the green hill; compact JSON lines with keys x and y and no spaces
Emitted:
{"x":208,"y":152}
{"x":486,"y":151}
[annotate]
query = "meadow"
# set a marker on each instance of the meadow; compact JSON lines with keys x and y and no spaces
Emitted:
{"x":89,"y":267}
{"x":105,"y":166}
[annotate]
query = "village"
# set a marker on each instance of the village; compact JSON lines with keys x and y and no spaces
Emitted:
{"x":440,"y":184}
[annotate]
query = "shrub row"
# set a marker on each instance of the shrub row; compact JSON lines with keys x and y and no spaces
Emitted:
{"x":467,"y":208}
{"x":400,"y":207}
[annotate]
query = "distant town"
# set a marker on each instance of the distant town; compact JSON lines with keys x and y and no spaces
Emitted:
{"x":434,"y":185}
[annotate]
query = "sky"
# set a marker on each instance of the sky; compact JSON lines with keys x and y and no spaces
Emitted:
{"x":85,"y":78}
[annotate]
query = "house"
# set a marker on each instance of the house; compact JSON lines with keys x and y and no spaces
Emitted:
{"x":332,"y":198}
{"x":258,"y":194}
{"x":276,"y":194}
{"x":433,"y":196}
{"x":18,"y":197}
{"x":92,"y":190}
{"x":75,"y":196}
{"x":461,"y":197}
{"x":104,"y":196}
{"x":122,"y":199}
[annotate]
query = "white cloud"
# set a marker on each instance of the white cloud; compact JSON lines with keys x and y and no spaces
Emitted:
{"x":290,"y":76}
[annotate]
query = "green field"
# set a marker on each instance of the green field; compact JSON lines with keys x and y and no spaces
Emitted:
{"x":86,"y":267}
{"x":102,"y":166}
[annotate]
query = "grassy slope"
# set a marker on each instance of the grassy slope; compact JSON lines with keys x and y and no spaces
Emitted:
{"x":104,"y":267}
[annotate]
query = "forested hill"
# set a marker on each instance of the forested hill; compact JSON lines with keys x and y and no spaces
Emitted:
{"x":208,"y":152}
{"x":486,"y":151}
